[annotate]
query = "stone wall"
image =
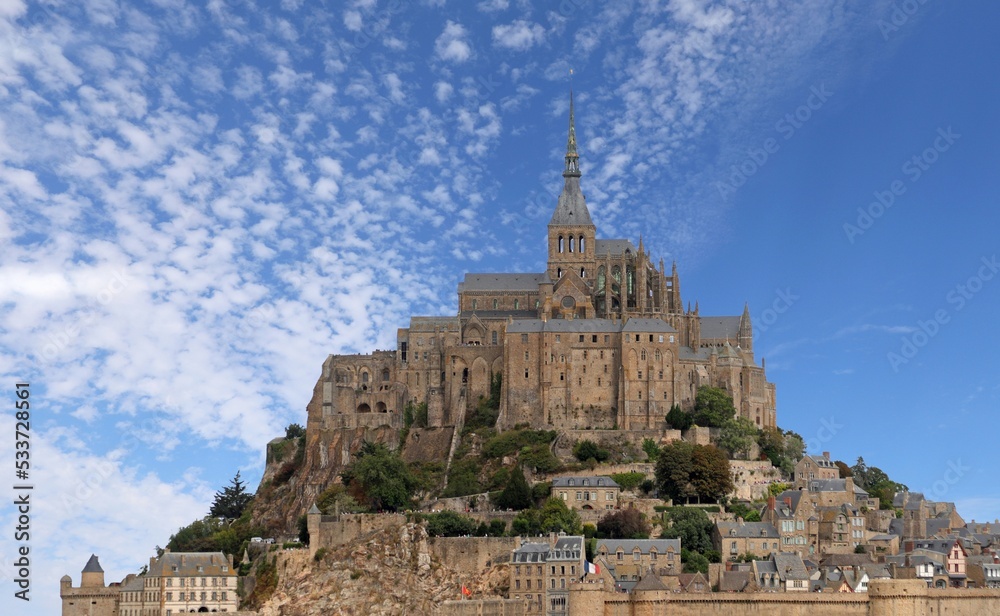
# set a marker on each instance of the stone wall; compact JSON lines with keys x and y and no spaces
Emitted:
{"x":472,"y":554}
{"x":752,"y":478}
{"x":327,"y":531}
{"x":482,"y":607}
{"x":885,"y":598}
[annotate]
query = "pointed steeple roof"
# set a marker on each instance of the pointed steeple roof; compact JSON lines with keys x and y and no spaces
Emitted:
{"x":93,"y":566}
{"x":572,"y":207}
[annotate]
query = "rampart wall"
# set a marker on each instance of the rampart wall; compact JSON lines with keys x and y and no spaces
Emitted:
{"x":473,"y":554}
{"x":885,"y":598}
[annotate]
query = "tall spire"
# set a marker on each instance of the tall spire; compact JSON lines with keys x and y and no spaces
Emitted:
{"x":572,"y":159}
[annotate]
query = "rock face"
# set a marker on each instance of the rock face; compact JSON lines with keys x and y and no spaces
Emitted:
{"x":391,"y":572}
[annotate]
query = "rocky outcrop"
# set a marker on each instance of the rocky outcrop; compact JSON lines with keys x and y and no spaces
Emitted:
{"x":391,"y":572}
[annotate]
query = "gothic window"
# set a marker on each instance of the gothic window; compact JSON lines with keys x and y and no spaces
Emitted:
{"x":364,"y":377}
{"x":496,"y":303}
{"x":474,"y":304}
{"x":643,"y":355}
{"x":582,"y":244}
{"x":385,"y":374}
{"x":571,"y":240}
{"x":560,"y":243}
{"x":517,"y":304}
{"x":494,"y":338}
{"x":558,"y":272}
{"x":583,"y":273}
{"x":601,"y":279}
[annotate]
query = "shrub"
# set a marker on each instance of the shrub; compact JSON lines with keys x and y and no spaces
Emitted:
{"x":629,"y":481}
{"x":320,"y":554}
{"x":589,"y":450}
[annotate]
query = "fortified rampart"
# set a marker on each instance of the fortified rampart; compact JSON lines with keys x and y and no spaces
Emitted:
{"x":884,"y":598}
{"x":473,"y":554}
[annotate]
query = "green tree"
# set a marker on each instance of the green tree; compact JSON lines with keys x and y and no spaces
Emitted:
{"x":777,"y":488}
{"x":624,"y":524}
{"x":379,"y":478}
{"x":516,"y":494}
{"x":795,"y":447}
{"x":553,"y":517}
{"x":686,"y":471}
{"x":231,"y":500}
{"x":586,"y":450}
{"x":294,"y":430}
{"x":449,"y":524}
{"x":678,"y":419}
{"x":651,"y":449}
{"x":673,"y":471}
{"x":711,"y":476}
{"x":860,"y":473}
{"x":691,"y":525}
{"x":693,"y":562}
{"x":713,"y":407}
{"x":737,"y":436}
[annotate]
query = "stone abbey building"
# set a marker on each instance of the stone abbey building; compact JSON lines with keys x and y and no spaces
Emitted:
{"x":601,"y":339}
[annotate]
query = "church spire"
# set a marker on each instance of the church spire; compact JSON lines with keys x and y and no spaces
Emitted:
{"x":572,"y":159}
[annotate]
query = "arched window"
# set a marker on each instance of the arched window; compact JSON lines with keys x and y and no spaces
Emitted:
{"x":496,"y":303}
{"x":364,"y":377}
{"x":494,"y":338}
{"x":385,"y":374}
{"x":571,"y":243}
{"x":474,"y":302}
{"x":583,"y":245}
{"x":583,"y":273}
{"x":517,"y":304}
{"x":560,"y":243}
{"x":558,"y":272}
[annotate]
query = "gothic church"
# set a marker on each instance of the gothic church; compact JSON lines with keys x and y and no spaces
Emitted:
{"x":599,"y":340}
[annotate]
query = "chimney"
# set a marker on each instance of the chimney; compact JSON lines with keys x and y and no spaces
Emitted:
{"x":908,"y":546}
{"x":771,"y":502}
{"x":826,"y":454}
{"x":788,"y":501}
{"x":739,"y":520}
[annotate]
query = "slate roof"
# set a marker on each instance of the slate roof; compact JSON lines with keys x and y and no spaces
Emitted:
{"x":531,"y":553}
{"x":749,"y":530}
{"x":135,"y":584}
{"x":795,"y":496}
{"x":845,"y":560}
{"x":936,"y":526}
{"x":503,"y":282}
{"x":576,"y":326}
{"x":599,"y":481}
{"x":827,"y":485}
{"x":735,"y":581}
{"x":650,"y":581}
{"x":645,"y":545}
{"x":572,"y":206}
{"x":567,"y":548}
{"x":184,"y":564}
{"x":500,"y":314}
{"x":720,"y":327}
{"x":790,"y":566}
{"x":613,"y":247}
{"x":647,"y":325}
{"x":429,"y":324}
{"x":93,"y":565}
{"x":702,"y":354}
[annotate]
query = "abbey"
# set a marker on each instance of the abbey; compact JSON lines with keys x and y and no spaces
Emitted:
{"x":600,"y":339}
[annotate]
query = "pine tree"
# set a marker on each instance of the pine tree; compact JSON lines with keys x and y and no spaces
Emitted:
{"x":516,"y":494}
{"x":231,"y":501}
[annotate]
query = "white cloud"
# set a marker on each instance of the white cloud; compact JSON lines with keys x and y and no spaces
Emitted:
{"x":519,"y":35}
{"x":452,"y":45}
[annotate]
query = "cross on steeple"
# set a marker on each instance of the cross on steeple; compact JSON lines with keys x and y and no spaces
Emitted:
{"x":572,"y":159}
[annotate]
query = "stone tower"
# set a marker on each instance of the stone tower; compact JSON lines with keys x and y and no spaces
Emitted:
{"x":92,"y":575}
{"x":571,"y":230}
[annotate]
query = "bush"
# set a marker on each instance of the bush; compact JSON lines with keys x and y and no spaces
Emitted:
{"x":678,"y":419}
{"x":540,"y":458}
{"x":651,"y":448}
{"x":463,"y":478}
{"x":320,"y":554}
{"x":513,"y":441}
{"x":624,"y":524}
{"x":629,"y":481}
{"x":589,"y":450}
{"x":449,"y":524}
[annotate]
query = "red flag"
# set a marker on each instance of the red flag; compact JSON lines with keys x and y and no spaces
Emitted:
{"x":466,"y":591}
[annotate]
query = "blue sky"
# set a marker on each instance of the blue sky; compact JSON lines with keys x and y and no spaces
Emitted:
{"x":200,"y":201}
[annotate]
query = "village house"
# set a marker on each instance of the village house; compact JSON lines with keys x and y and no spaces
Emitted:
{"x":734,"y":539}
{"x":540,"y":573}
{"x":814,"y":467}
{"x":587,"y":492}
{"x":628,"y":559}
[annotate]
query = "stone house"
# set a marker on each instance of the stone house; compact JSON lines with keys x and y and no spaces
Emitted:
{"x":733,"y":539}
{"x":540,"y":573}
{"x":782,"y":572}
{"x":628,"y":559}
{"x":587,"y":492}
{"x":814,"y":467}
{"x":792,"y":513}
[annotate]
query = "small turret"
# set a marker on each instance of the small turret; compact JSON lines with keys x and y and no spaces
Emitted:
{"x":92,"y":575}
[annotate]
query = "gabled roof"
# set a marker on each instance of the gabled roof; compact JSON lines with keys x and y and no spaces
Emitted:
{"x":790,"y":566}
{"x":613,"y":247}
{"x":720,"y":328}
{"x":735,"y":581}
{"x":628,"y":546}
{"x":749,"y":530}
{"x":636,"y":324}
{"x":599,"y":481}
{"x":502,"y":282}
{"x":827,"y":485}
{"x":573,"y":326}
{"x":184,"y":564}
{"x":650,"y":581}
